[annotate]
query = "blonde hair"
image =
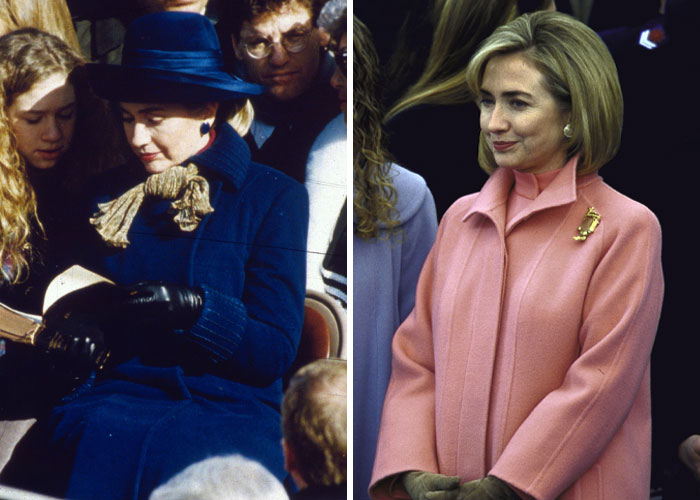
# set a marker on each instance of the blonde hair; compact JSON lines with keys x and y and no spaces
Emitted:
{"x":240,"y":117}
{"x":314,"y":421}
{"x":51,"y":16}
{"x":460,"y":26}
{"x":375,"y":197}
{"x":578,"y":71}
{"x":26,"y":57}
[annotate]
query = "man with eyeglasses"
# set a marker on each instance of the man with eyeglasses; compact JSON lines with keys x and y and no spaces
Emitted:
{"x":276,"y":43}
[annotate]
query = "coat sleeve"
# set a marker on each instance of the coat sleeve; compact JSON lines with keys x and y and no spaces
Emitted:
{"x":573,"y":425}
{"x":254,"y":337}
{"x":406,"y":435}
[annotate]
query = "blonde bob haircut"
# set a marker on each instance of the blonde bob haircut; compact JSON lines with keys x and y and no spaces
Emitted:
{"x":577,"y":70}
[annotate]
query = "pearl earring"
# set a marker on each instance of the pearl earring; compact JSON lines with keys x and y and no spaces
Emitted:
{"x":204,"y":128}
{"x":568,"y":131}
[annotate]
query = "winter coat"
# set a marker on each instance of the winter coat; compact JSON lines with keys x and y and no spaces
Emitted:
{"x":213,"y":389}
{"x":385,"y":274}
{"x":527,"y":354}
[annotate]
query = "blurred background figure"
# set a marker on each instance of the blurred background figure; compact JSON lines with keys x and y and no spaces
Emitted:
{"x":51,"y":16}
{"x":326,"y":172}
{"x":232,"y":477}
{"x":314,"y":426}
{"x":101,"y":24}
{"x":394,"y":225}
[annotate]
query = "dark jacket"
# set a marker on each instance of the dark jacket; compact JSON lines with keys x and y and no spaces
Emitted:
{"x":297,"y":123}
{"x":32,"y":380}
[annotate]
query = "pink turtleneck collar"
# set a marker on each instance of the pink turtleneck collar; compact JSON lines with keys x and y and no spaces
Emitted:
{"x":526,"y":189}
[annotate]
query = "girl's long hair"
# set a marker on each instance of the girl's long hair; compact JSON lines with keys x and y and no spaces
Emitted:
{"x":374,"y":194}
{"x":51,"y":16}
{"x":27,"y":56}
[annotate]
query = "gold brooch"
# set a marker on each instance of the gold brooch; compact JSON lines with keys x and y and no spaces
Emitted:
{"x":588,"y":225}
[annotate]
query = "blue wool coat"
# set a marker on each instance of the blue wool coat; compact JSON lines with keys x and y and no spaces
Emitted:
{"x":215,"y":388}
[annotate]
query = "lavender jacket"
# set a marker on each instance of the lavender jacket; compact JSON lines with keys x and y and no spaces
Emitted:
{"x":385,"y":273}
{"x":527,"y":354}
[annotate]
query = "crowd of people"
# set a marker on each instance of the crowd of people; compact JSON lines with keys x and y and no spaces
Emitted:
{"x":190,"y":153}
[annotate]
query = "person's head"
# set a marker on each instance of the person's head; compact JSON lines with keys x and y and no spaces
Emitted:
{"x":38,"y":95}
{"x":169,"y":108}
{"x":374,"y":199}
{"x":277,"y":42}
{"x":194,"y":6}
{"x":314,"y":424}
{"x":163,"y":135}
{"x":555,"y":70}
{"x":39,"y":80}
{"x":333,"y":20}
{"x":231,"y":477}
{"x":51,"y":16}
{"x":458,"y":28}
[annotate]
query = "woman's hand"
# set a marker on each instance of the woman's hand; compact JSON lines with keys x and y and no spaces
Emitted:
{"x":689,"y":453}
{"x":163,"y":304}
{"x":489,"y":488}
{"x":77,"y":337}
{"x":429,"y":486}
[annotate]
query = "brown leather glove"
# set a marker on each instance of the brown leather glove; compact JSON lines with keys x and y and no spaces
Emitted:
{"x":429,"y":486}
{"x":489,"y":488}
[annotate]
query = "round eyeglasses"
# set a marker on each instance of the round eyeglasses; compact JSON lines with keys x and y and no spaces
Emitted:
{"x":293,"y":42}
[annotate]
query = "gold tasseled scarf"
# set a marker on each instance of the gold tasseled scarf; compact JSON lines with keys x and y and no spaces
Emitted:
{"x":183,"y":184}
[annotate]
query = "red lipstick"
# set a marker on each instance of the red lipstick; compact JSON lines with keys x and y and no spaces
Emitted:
{"x":502,"y":145}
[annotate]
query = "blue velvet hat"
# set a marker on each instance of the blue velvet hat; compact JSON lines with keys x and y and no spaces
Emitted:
{"x":170,"y":57}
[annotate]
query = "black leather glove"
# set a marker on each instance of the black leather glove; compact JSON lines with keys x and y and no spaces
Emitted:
{"x":77,"y":338}
{"x":429,"y":486}
{"x":165,"y":305}
{"x":489,"y":488}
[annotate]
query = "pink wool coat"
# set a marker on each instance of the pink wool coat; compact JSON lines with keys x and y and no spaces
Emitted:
{"x":527,"y":354}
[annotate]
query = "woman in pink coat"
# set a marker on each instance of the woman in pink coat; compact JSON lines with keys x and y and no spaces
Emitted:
{"x":523,"y":371}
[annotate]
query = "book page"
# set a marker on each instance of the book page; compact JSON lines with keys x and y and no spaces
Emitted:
{"x":16,"y":325}
{"x":73,"y":278}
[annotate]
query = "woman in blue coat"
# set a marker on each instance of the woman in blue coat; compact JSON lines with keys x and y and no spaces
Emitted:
{"x":213,"y":322}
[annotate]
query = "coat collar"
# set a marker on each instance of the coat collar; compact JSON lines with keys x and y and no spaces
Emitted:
{"x":229,"y":156}
{"x":491,"y":200}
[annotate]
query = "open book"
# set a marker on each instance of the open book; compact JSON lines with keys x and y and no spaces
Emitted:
{"x":22,"y":327}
